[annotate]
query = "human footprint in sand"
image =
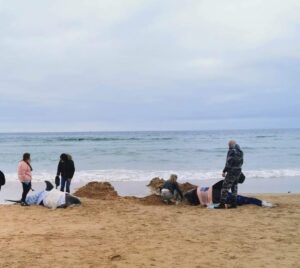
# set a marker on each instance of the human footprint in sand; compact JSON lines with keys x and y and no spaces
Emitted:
{"x":170,"y":191}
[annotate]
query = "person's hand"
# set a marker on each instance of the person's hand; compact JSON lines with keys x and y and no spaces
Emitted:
{"x":57,"y":181}
{"x":223,"y":174}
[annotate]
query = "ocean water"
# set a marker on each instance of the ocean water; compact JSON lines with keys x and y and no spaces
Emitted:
{"x":140,"y":156}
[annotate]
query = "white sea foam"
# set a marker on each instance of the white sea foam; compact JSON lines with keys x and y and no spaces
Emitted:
{"x":146,"y":175}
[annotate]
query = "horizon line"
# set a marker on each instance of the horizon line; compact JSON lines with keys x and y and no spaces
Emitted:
{"x":116,"y":131}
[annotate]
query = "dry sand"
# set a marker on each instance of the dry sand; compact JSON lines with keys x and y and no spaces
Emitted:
{"x":142,"y":232}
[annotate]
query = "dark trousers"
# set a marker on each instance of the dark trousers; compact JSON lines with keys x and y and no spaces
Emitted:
{"x":65,"y":182}
{"x":26,"y":189}
{"x":230,"y":182}
{"x":245,"y":200}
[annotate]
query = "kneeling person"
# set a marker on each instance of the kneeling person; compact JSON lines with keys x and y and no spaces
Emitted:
{"x":170,"y":190}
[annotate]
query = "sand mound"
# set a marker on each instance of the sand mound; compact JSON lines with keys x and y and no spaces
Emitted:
{"x":151,"y":200}
{"x":186,"y":186}
{"x":156,"y":183}
{"x":105,"y":191}
{"x":97,"y":190}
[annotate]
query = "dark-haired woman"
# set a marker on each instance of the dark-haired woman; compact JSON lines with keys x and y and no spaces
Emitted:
{"x":25,"y":176}
{"x":66,"y":170}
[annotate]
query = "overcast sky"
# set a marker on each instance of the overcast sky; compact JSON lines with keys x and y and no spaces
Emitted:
{"x":149,"y":65}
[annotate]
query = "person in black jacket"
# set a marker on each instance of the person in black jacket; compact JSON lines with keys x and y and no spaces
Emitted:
{"x":2,"y":179}
{"x":171,"y":191}
{"x":66,"y":170}
{"x":231,"y":172}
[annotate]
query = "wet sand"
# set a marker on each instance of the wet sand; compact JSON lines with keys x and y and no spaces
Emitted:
{"x":125,"y":232}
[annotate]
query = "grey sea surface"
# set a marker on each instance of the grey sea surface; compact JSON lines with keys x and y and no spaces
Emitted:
{"x":271,"y":155}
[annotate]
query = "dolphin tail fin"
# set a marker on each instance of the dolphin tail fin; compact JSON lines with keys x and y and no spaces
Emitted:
{"x":14,"y":201}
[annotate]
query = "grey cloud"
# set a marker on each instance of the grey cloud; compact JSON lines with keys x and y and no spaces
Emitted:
{"x":131,"y":61}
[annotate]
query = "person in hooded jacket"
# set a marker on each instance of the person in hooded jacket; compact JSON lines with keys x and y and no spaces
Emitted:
{"x":231,"y":172}
{"x":66,"y":170}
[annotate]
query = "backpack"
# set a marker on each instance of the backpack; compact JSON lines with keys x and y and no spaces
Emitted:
{"x":2,"y":179}
{"x":242,"y":178}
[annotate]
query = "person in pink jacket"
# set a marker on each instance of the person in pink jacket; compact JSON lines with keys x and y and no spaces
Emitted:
{"x":25,"y":176}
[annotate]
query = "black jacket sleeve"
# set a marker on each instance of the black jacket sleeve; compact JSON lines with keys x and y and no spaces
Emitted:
{"x":72,"y":168}
{"x":59,"y":167}
{"x":178,"y":190}
{"x":229,"y":160}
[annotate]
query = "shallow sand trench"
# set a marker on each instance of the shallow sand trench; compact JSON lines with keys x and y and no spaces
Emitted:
{"x":123,"y":232}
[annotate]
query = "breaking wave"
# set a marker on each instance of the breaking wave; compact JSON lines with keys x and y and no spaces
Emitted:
{"x":144,"y":175}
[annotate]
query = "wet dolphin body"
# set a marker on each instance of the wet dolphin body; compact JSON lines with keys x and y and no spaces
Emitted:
{"x":49,"y":187}
{"x":70,"y":199}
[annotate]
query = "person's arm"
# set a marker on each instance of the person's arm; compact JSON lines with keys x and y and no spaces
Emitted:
{"x":22,"y":171}
{"x":178,"y":190}
{"x":229,"y":161}
{"x":72,"y":168}
{"x":59,"y":168}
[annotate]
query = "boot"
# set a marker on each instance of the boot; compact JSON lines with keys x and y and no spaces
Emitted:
{"x":232,"y":205}
{"x":24,"y":204}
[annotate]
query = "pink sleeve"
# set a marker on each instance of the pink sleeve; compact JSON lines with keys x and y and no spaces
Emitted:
{"x":21,"y":171}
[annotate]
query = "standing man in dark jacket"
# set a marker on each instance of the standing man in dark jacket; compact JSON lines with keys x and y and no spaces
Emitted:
{"x":66,"y":170}
{"x":231,"y":172}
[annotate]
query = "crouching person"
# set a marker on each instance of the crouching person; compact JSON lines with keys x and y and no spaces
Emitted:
{"x":170,"y":191}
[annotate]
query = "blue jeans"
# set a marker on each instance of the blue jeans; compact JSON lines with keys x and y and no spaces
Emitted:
{"x":167,"y":196}
{"x":64,"y":182}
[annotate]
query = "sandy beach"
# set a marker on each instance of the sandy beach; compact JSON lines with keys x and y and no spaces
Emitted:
{"x":139,"y":134}
{"x":131,"y":232}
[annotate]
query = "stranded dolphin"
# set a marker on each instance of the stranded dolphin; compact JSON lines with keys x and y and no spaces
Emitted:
{"x":51,"y":198}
